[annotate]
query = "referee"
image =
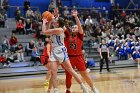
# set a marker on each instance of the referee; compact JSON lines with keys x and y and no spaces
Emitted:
{"x":104,"y":54}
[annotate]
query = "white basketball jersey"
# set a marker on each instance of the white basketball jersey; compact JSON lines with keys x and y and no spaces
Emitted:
{"x":58,"y":40}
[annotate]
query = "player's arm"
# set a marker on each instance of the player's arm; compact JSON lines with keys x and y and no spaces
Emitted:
{"x":46,"y":25}
{"x":75,"y":14}
{"x":48,"y":49}
{"x":47,"y":30}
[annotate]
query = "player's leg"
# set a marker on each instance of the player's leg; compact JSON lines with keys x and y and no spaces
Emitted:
{"x":81,"y":67}
{"x":48,"y":82}
{"x":69,"y":76}
{"x":68,"y":81}
{"x":69,"y":68}
{"x":54,"y":68}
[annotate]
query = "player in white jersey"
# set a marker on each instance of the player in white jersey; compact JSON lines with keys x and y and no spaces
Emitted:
{"x":59,"y":53}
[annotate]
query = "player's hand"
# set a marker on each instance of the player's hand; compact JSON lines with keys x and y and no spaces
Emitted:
{"x":45,"y":21}
{"x":43,"y":33}
{"x":74,"y":13}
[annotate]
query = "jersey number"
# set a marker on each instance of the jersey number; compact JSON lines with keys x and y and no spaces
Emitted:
{"x":73,"y":46}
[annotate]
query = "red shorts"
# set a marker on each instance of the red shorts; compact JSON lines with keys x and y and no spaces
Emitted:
{"x":78,"y":62}
{"x":44,"y":59}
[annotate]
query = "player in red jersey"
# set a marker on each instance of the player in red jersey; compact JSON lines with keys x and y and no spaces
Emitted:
{"x":73,"y":43}
{"x":45,"y":61}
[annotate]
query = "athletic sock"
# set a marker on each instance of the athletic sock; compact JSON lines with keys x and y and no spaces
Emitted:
{"x":85,"y":89}
{"x":94,"y":89}
{"x":56,"y":90}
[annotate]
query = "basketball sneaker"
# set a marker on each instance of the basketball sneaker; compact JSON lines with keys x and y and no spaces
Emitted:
{"x":95,"y":90}
{"x":68,"y":91}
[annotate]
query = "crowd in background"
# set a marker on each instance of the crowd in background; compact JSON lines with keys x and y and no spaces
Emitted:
{"x":120,"y":29}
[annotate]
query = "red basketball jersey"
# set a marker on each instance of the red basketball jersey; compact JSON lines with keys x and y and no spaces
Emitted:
{"x":45,"y":57}
{"x":73,"y":44}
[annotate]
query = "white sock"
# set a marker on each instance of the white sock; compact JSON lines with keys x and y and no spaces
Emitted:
{"x":82,"y":85}
{"x":56,"y":90}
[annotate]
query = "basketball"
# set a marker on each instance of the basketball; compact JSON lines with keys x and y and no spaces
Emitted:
{"x":47,"y":15}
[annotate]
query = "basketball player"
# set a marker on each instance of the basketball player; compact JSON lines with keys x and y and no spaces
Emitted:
{"x":59,"y":52}
{"x":74,"y":42}
{"x":45,"y":61}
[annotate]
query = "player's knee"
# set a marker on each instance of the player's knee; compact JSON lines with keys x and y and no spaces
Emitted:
{"x":70,"y":70}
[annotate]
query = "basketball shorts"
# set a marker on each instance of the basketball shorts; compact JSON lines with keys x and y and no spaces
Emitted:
{"x":78,"y":62}
{"x":44,"y":59}
{"x":59,"y":54}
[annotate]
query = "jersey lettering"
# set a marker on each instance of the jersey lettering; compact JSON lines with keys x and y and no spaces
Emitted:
{"x":73,"y":46}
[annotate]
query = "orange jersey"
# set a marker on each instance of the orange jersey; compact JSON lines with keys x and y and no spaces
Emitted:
{"x":73,"y":44}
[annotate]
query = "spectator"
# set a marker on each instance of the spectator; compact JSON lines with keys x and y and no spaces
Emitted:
{"x":20,"y":27}
{"x":26,"y":5}
{"x":2,"y":11}
{"x":129,"y":52}
{"x":51,"y":6}
{"x":4,"y":61}
{"x":18,"y":14}
{"x":20,"y":53}
{"x":30,"y":47}
{"x":5,"y":44}
{"x":29,"y":13}
{"x":111,"y":42}
{"x":35,"y":26}
{"x":88,"y":23}
{"x":38,"y":15}
{"x":66,"y":11}
{"x":121,"y":52}
{"x":136,"y":57}
{"x":13,"y":42}
{"x":28,"y":26}
{"x":5,"y":5}
{"x":123,"y":14}
{"x":90,"y":45}
{"x":59,"y":5}
{"x":2,"y":20}
{"x":35,"y":55}
{"x":40,"y":46}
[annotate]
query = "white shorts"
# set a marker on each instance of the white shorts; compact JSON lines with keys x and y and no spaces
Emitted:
{"x":59,"y":54}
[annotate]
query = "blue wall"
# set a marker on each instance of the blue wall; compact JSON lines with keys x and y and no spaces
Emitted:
{"x":91,"y":3}
{"x":43,"y":4}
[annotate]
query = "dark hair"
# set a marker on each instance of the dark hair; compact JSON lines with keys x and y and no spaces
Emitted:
{"x":61,"y":22}
{"x":20,"y":45}
{"x":5,"y":36}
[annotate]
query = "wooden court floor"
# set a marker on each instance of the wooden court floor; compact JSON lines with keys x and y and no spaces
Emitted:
{"x":118,"y":81}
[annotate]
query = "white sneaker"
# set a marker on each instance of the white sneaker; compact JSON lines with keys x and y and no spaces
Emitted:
{"x":95,"y":90}
{"x":138,"y":66}
{"x":85,"y":89}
